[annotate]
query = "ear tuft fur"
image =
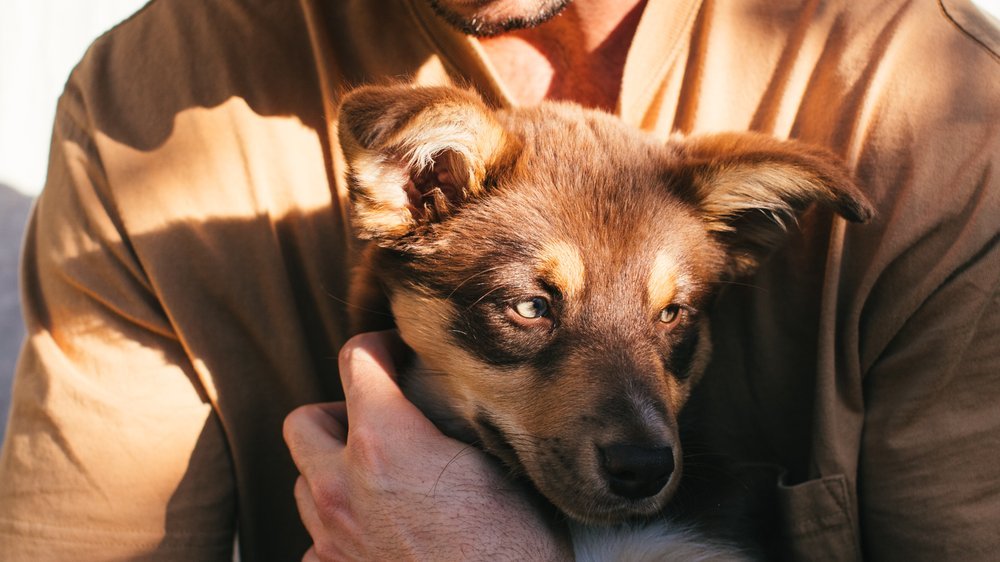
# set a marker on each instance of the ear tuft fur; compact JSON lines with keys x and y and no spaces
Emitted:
{"x":748,"y":186}
{"x":414,"y":154}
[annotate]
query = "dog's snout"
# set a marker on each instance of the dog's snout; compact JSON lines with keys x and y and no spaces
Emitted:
{"x":636,"y":472}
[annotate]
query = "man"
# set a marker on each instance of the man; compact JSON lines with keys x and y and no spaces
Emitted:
{"x":185,"y":269}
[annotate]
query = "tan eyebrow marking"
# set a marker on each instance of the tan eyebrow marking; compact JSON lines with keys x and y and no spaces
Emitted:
{"x":662,"y":284}
{"x":562,"y":265}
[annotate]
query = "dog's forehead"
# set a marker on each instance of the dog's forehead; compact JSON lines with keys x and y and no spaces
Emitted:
{"x":594,"y":190}
{"x":586,"y":207}
{"x":571,"y":138}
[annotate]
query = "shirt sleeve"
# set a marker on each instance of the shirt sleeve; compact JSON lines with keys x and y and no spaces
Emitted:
{"x":929,"y":471}
{"x":113,"y":448}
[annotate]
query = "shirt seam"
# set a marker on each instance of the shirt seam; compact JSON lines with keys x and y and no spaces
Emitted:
{"x":968,"y":33}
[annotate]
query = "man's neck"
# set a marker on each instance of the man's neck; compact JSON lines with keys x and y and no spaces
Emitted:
{"x":577,"y":56}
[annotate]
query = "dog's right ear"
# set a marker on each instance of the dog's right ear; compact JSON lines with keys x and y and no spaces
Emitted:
{"x":414,"y":155}
{"x":747,"y":186}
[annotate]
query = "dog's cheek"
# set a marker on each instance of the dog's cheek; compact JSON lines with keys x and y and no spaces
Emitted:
{"x":423,"y":323}
{"x":438,"y":398}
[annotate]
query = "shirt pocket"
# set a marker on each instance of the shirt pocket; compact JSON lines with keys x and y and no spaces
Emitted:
{"x":816,"y":520}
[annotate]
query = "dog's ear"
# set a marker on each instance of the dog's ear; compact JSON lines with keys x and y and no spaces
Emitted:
{"x":414,"y":155}
{"x":747,"y":186}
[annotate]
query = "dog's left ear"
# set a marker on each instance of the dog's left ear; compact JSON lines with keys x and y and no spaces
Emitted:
{"x":747,"y":186}
{"x":414,"y":155}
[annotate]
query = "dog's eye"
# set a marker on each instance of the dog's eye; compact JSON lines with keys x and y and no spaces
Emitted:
{"x":671,"y":314}
{"x":532,"y":309}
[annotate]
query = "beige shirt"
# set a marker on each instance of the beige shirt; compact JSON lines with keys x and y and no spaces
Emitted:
{"x":185,"y":269}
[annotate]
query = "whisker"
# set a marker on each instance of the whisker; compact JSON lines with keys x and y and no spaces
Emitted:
{"x":471,"y":277}
{"x":480,"y":299}
{"x":356,"y":306}
{"x":463,"y":451}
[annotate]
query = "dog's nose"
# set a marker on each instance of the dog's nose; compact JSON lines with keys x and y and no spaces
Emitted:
{"x":637,"y":472}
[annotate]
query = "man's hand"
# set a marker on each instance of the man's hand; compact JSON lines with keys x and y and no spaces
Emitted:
{"x":390,"y":486}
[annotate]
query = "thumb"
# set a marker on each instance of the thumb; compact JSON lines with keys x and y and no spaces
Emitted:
{"x":368,"y":372}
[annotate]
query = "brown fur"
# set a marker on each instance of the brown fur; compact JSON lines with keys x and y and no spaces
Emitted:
{"x":562,"y":266}
{"x":473,"y":211}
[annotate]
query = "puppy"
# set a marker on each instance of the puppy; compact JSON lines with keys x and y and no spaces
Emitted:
{"x":551,"y":268}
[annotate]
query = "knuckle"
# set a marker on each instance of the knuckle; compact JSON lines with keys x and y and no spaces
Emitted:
{"x":367,"y":448}
{"x":330,"y":498}
{"x":311,"y":555}
{"x":327,"y":549}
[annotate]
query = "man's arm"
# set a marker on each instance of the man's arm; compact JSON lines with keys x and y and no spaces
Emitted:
{"x":113,"y":450}
{"x":929,"y":475}
{"x":390,"y":486}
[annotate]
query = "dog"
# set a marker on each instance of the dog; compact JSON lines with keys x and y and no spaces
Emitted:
{"x":552,"y":269}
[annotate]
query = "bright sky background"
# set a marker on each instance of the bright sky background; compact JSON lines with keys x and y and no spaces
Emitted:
{"x":40,"y":42}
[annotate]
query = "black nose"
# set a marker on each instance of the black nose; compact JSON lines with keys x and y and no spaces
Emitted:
{"x":637,"y":472}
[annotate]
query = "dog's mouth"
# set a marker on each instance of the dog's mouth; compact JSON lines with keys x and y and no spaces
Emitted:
{"x":496,"y":442}
{"x":575,"y":478}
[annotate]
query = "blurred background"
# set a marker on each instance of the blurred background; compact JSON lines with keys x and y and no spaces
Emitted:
{"x":40,"y":42}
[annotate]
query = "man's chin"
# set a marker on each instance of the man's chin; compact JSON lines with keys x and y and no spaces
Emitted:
{"x":489,"y":18}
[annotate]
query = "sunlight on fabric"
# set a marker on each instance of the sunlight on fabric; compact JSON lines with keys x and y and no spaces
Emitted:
{"x":187,"y":170}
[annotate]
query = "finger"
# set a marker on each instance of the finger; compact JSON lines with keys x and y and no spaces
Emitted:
{"x":315,"y":435}
{"x":338,"y":412}
{"x":335,"y":419}
{"x":320,"y":423}
{"x":384,"y":348}
{"x":368,"y":373}
{"x":306,"y":504}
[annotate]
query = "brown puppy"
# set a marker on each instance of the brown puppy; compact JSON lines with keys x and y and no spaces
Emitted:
{"x":551,"y":268}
